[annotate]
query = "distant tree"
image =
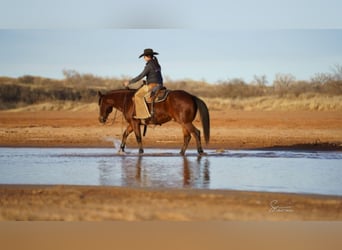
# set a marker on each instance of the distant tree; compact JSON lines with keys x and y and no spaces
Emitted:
{"x":71,"y":73}
{"x":337,"y":72}
{"x":72,"y":77}
{"x":284,"y":79}
{"x":260,"y":80}
{"x":321,"y":78}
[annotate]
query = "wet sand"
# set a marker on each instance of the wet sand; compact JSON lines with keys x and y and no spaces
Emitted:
{"x":229,"y":130}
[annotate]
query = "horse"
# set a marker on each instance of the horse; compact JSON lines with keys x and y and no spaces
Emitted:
{"x":179,"y":106}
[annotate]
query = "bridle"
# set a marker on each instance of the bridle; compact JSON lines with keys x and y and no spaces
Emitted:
{"x":116,"y":110}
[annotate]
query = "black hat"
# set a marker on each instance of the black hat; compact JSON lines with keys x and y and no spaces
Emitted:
{"x":148,"y":52}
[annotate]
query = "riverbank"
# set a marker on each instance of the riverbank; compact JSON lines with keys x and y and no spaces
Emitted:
{"x":88,"y":203}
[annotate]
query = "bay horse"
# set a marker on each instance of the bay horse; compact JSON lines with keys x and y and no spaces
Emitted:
{"x":179,"y":106}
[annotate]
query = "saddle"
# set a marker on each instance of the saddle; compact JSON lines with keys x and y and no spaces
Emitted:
{"x":160,"y":96}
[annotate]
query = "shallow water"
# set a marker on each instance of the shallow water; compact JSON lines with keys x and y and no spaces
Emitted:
{"x":273,"y":171}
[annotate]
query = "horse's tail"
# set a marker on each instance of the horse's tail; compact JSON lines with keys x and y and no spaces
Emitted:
{"x":204,"y":113}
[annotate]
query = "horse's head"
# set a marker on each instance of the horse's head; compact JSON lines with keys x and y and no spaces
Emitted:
{"x":105,"y":107}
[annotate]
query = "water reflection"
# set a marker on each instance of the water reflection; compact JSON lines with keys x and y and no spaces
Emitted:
{"x":271,"y":171}
{"x":142,"y":171}
{"x":196,"y":173}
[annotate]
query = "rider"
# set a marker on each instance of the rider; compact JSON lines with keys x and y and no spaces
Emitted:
{"x":154,"y":81}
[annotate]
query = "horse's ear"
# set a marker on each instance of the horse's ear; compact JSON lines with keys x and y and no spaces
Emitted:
{"x":100,"y":96}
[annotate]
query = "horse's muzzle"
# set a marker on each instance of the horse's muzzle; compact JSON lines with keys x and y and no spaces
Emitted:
{"x":102,"y":119}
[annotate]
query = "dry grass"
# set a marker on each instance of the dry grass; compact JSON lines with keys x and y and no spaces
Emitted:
{"x":267,"y":103}
{"x":58,"y":106}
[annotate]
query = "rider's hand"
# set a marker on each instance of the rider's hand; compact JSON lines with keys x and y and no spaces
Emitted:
{"x":126,"y":83}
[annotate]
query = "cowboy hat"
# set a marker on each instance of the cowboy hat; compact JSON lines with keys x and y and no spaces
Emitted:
{"x":148,"y":52}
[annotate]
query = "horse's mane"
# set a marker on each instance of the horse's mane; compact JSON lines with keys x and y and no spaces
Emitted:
{"x":121,"y":91}
{"x":117,"y":91}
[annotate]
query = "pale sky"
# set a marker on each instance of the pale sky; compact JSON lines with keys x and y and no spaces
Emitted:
{"x":213,"y":40}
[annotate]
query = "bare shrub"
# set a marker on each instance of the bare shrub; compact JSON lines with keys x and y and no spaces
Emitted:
{"x":321,"y":78}
{"x":28,"y":79}
{"x":282,"y":82}
{"x":332,"y":88}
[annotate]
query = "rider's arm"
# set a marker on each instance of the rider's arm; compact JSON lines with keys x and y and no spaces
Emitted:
{"x":141,"y":75}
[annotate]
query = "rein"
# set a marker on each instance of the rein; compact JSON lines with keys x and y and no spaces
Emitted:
{"x":114,"y":118}
{"x":123,"y":112}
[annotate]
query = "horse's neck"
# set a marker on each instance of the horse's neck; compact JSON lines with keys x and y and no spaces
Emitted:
{"x":121,"y":99}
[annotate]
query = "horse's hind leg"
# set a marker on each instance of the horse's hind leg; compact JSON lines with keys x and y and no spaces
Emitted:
{"x":191,"y":129}
{"x":187,"y":138}
{"x":197,"y":134}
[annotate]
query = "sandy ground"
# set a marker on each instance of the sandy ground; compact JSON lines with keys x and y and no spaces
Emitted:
{"x":229,"y":130}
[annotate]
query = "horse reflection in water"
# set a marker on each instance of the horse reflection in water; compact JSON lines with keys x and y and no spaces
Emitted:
{"x":179,"y":172}
{"x":196,"y":176}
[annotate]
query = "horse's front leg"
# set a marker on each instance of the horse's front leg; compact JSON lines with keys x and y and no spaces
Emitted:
{"x":127,"y":132}
{"x":137,"y":131}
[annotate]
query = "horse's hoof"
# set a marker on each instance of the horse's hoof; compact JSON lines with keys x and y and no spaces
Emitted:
{"x":141,"y":151}
{"x":202,"y":153}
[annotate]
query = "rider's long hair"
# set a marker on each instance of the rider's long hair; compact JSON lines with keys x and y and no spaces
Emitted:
{"x":155,"y":63}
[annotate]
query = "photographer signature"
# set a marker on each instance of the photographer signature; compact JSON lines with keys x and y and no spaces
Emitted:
{"x":276,"y":208}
